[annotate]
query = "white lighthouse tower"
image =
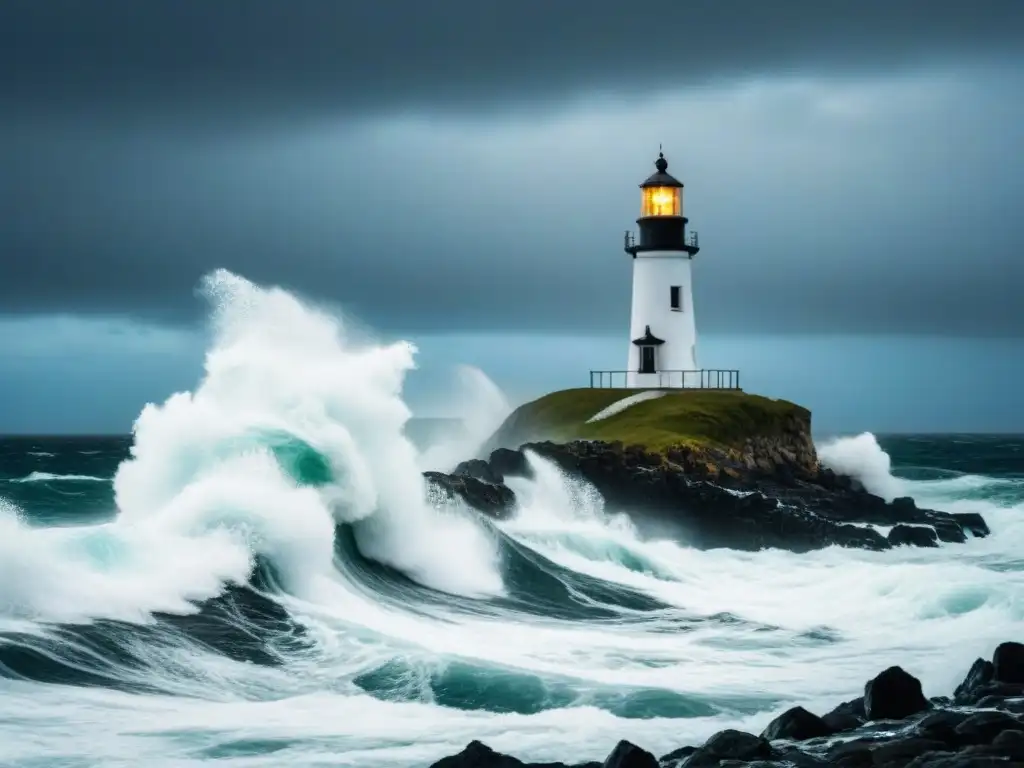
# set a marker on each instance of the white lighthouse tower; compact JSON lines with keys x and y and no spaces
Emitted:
{"x":662,"y":329}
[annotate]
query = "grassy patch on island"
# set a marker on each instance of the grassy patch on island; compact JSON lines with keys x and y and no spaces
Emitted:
{"x":712,"y":418}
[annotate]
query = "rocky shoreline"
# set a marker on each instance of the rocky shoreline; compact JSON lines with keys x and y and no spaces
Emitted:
{"x":892,"y":725}
{"x":774,"y":494}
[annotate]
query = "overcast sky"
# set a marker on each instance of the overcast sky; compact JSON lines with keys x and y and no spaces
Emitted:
{"x":459,"y":171}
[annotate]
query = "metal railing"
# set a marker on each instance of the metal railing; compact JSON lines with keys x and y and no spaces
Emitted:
{"x":705,"y":378}
{"x":690,"y":240}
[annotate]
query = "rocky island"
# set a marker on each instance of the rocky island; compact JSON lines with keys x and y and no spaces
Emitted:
{"x":710,"y":468}
{"x":728,"y":469}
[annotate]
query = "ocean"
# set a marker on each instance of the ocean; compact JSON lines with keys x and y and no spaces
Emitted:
{"x":256,"y":577}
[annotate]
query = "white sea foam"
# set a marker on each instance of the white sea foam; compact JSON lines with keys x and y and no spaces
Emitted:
{"x":204,"y":491}
{"x":49,"y":477}
{"x":481,"y":407}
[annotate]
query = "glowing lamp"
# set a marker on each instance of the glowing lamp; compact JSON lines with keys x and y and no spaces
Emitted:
{"x":660,"y":201}
{"x":661,"y":194}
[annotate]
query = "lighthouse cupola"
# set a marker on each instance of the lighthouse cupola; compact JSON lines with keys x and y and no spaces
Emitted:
{"x":662,"y":223}
{"x":661,"y":194}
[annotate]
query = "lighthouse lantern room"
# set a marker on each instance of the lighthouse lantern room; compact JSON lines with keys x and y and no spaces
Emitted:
{"x":663,"y":331}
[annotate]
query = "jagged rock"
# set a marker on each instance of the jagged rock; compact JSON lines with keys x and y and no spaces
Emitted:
{"x":1010,"y":744}
{"x":1008,"y":663}
{"x":901,"y":751}
{"x":479,"y":469}
{"x":660,"y":494}
{"x":904,"y":504}
{"x":980,"y":674}
{"x":1007,"y":704}
{"x":913,"y":535}
{"x":972,"y":522}
{"x":496,"y":501}
{"x":957,"y":760}
{"x":627,"y":755}
{"x":796,"y":724}
{"x":730,"y":744}
{"x":794,"y":758}
{"x":984,"y":727}
{"x":796,"y":505}
{"x":893,"y":695}
{"x":850,"y":754}
{"x":847,"y":716}
{"x":676,"y":757}
{"x":479,"y":755}
{"x":508,"y":463}
{"x":941,"y":726}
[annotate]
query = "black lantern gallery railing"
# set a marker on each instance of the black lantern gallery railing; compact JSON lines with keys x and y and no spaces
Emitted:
{"x":690,"y":240}
{"x":706,"y":378}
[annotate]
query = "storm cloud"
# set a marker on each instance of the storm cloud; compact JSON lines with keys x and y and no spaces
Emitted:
{"x":851,"y":167}
{"x":286,"y":57}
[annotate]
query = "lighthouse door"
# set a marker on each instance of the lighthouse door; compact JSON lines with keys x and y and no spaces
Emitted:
{"x":647,"y":359}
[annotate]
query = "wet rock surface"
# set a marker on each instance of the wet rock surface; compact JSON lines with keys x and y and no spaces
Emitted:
{"x":891,"y":726}
{"x":709,"y":499}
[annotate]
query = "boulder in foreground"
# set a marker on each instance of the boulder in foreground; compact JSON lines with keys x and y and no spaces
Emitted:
{"x":925,"y":735}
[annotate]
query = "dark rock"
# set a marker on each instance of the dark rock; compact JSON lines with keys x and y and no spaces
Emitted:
{"x":495,"y":501}
{"x":850,"y":754}
{"x":665,"y":498}
{"x":627,"y":755}
{"x":478,"y":755}
{"x":1007,"y":704}
{"x":901,"y":751}
{"x":991,"y":691}
{"x":1010,"y":744}
{"x":505,"y":462}
{"x":689,"y":493}
{"x":904,"y":504}
{"x":972,"y":522}
{"x":1008,"y":663}
{"x":984,"y":727}
{"x":796,"y":724}
{"x":893,"y":695}
{"x":737,"y":745}
{"x":957,"y":760}
{"x":941,"y":726}
{"x":980,"y":674}
{"x":676,"y":756}
{"x":847,"y":716}
{"x":949,"y":531}
{"x":798,"y":759}
{"x":479,"y":469}
{"x":913,"y":535}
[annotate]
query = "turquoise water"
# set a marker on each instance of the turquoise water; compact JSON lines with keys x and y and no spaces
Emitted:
{"x":597,"y":635}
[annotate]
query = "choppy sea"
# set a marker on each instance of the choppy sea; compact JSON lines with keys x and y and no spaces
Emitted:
{"x":255,"y":577}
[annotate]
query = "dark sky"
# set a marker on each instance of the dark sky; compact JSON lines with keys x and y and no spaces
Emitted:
{"x":461,"y":173}
{"x":850,"y":166}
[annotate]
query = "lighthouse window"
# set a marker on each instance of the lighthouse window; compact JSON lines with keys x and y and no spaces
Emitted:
{"x":676,"y":298}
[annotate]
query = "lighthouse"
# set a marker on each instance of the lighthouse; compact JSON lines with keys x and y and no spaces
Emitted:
{"x":662,"y":328}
